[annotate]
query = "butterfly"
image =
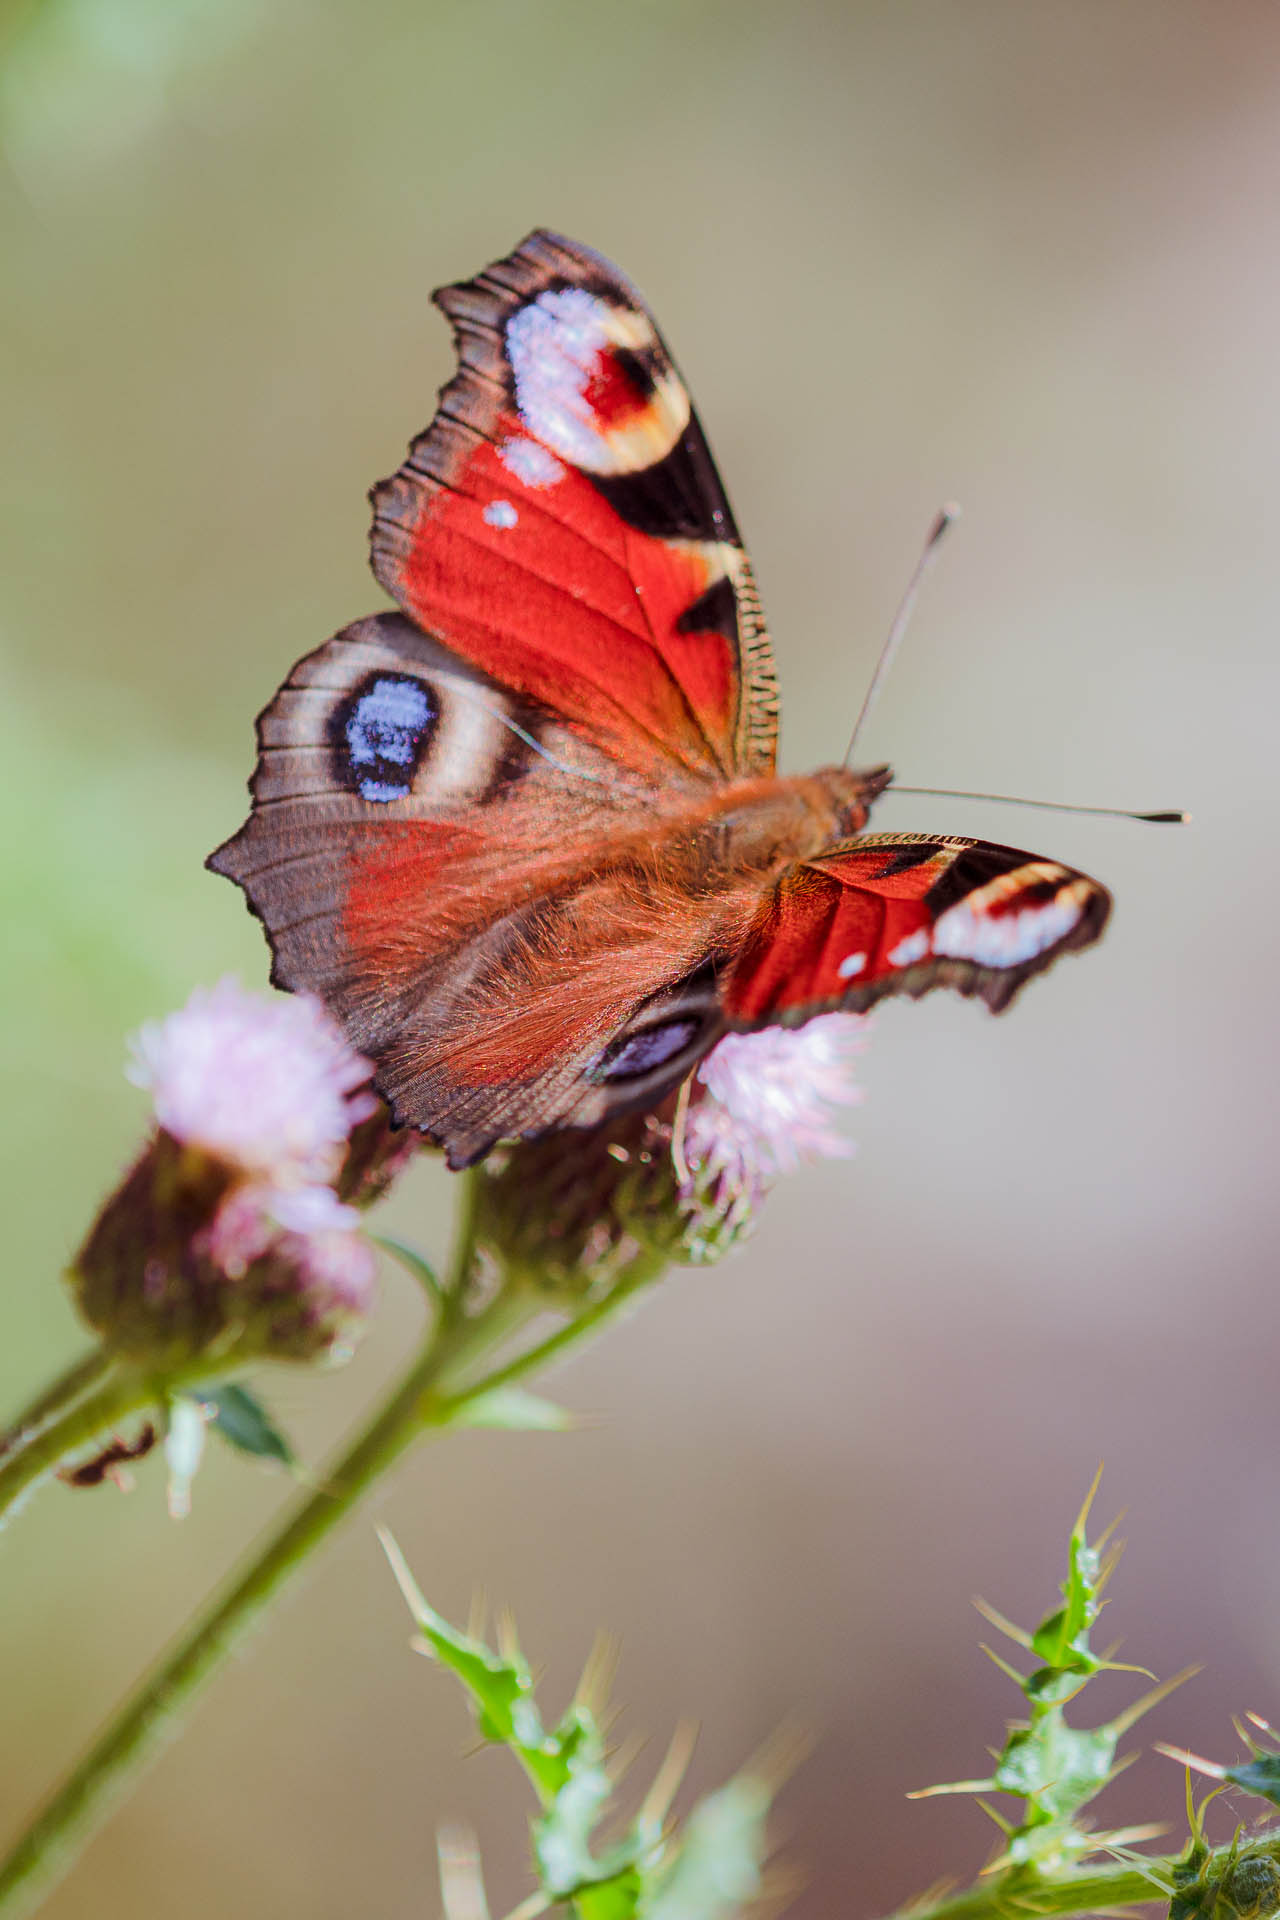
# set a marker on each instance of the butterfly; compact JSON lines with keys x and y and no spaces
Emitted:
{"x":525,"y":836}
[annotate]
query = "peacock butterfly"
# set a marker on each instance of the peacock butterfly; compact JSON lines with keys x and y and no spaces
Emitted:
{"x":524,"y":836}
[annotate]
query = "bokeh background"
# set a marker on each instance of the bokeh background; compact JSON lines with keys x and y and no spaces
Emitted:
{"x":1026,"y":256}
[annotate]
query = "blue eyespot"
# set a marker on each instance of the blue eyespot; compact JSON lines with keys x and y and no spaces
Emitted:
{"x":388,"y":727}
{"x":649,"y":1048}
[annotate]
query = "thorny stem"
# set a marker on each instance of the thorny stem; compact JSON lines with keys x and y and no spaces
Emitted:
{"x":435,"y":1390}
{"x":1024,"y":1892}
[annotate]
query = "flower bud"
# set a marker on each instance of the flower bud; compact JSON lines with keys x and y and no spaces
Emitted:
{"x":186,"y":1262}
{"x":681,"y":1184}
{"x":1251,"y":1890}
{"x":572,"y":1211}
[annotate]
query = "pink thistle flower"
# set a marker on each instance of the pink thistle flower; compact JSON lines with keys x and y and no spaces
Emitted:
{"x":304,"y":1265}
{"x":770,"y":1099}
{"x":256,"y":1218}
{"x":268,"y":1086}
{"x":321,"y":1242}
{"x":226,"y":1237}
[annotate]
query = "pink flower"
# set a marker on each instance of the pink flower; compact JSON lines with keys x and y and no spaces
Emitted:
{"x":770,"y":1099}
{"x":268,"y":1086}
{"x":226,"y":1237}
{"x":334,"y":1263}
{"x":300,"y":1244}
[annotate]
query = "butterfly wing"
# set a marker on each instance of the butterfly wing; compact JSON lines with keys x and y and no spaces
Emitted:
{"x":561,"y":524}
{"x":902,"y":913}
{"x":458,"y":832}
{"x":479,"y":896}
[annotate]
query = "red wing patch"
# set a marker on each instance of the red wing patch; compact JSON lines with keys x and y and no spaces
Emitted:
{"x":561,"y":524}
{"x":901,"y":913}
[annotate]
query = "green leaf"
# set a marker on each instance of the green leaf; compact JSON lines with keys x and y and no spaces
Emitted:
{"x":562,"y":1837}
{"x":1055,"y":1766}
{"x":244,"y":1423}
{"x":709,"y":1874}
{"x":1261,"y":1776}
{"x":500,"y":1685}
{"x":416,"y":1263}
{"x":513,"y":1408}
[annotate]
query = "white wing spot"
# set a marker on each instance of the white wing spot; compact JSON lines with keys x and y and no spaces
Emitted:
{"x":500,"y":513}
{"x":1006,"y":939}
{"x":530,"y":463}
{"x":554,"y":344}
{"x":852,"y":965}
{"x":912,"y":947}
{"x":564,"y":342}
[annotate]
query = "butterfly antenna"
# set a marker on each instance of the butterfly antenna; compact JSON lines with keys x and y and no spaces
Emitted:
{"x":522,"y":733}
{"x":902,"y":618}
{"x":1169,"y":817}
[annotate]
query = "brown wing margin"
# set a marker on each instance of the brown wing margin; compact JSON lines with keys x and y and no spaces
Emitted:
{"x":676,"y":498}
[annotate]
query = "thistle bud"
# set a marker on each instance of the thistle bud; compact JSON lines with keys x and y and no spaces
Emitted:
{"x":1251,"y":1890}
{"x":681,"y":1184}
{"x":224,"y":1240}
{"x":573,"y":1211}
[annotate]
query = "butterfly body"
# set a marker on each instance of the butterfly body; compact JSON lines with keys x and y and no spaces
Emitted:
{"x":525,"y":836}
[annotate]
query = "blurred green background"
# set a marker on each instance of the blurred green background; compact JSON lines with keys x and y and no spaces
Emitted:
{"x":1023,"y":255}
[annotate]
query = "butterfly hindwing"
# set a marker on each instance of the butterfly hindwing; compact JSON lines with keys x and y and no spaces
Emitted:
{"x":561,"y":523}
{"x":901,"y":913}
{"x":476,"y":893}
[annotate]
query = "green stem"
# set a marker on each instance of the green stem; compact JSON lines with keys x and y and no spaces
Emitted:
{"x":587,"y":1320}
{"x":1078,"y":1891}
{"x":430,"y":1395}
{"x":83,"y":1420}
{"x":79,"y":1377}
{"x":1023,"y":1891}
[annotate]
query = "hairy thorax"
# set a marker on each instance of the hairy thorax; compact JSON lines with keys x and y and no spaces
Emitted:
{"x":752,"y":829}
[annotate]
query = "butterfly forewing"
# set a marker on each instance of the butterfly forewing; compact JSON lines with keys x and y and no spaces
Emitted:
{"x":902,"y":913}
{"x":561,"y":523}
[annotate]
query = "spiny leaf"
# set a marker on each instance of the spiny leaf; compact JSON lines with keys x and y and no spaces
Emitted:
{"x":501,"y":1690}
{"x":562,"y":1837}
{"x":1057,"y":1766}
{"x":1054,"y":1768}
{"x":707,"y":1873}
{"x":1261,"y":1775}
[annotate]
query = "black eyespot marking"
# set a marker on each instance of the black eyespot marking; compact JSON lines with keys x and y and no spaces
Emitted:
{"x":381,"y":733}
{"x":652,"y":1047}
